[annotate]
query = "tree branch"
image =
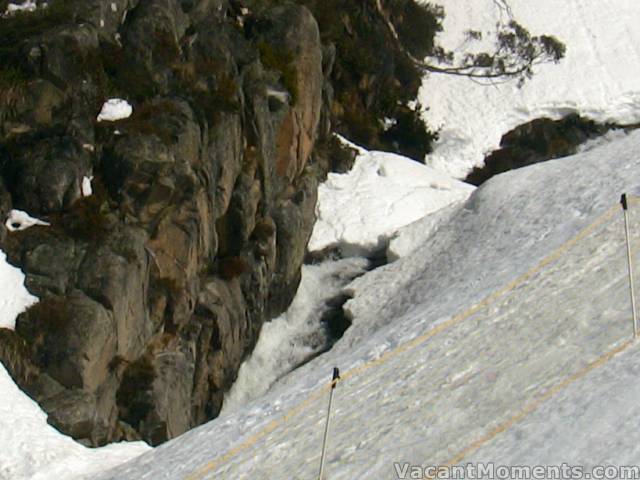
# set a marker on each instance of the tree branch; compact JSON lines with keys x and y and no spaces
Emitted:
{"x":515,"y":55}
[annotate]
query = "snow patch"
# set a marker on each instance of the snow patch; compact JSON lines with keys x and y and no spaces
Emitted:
{"x":360,"y":210}
{"x":14,"y":297}
{"x":18,"y":220}
{"x":31,"y":449}
{"x":27,"y":6}
{"x":87,"y":190}
{"x":281,"y":96}
{"x":115,"y":109}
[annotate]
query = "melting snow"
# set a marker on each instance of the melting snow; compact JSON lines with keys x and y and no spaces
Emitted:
{"x":431,"y":398}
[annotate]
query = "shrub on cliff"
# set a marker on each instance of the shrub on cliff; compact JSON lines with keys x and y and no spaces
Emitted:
{"x":232,"y":267}
{"x":15,"y":29}
{"x":134,"y":397}
{"x":372,"y":76}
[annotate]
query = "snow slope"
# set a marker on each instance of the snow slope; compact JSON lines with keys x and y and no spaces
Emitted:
{"x":598,"y":78}
{"x":360,"y":210}
{"x":478,"y":336}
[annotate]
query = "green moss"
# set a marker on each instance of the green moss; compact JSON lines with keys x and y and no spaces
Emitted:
{"x":52,"y":312}
{"x":116,"y":363}
{"x":209,"y":85}
{"x":41,"y":324}
{"x":333,"y":156}
{"x":416,"y":24}
{"x":125,"y":74}
{"x":149,"y":118}
{"x":263,"y":230}
{"x":409,"y":134}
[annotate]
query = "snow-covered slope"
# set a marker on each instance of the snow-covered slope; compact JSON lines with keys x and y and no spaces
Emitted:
{"x":497,"y":317}
{"x":360,"y":210}
{"x":598,"y":78}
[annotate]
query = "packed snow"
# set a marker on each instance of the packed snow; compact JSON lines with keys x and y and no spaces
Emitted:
{"x":598,"y":78}
{"x":431,"y":371}
{"x":14,"y":297}
{"x":18,"y":220}
{"x":115,"y":109}
{"x":361,"y":210}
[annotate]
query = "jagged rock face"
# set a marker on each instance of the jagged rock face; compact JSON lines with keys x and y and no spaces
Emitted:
{"x":154,"y":289}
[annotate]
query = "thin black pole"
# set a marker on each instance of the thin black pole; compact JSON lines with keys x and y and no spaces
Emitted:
{"x":334,"y":382}
{"x":625,"y":208}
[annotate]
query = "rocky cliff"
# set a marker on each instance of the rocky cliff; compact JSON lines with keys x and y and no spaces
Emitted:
{"x":154,"y":288}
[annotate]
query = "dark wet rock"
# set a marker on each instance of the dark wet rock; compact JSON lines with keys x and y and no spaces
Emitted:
{"x":538,"y":141}
{"x":45,"y":176}
{"x":73,"y":412}
{"x":73,"y":339}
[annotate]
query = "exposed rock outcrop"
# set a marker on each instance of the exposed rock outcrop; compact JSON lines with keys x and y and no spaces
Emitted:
{"x":154,"y":289}
{"x":538,"y":141}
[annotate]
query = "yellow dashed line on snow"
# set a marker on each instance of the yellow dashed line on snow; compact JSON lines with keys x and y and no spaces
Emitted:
{"x":536,"y":403}
{"x":271,"y":426}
